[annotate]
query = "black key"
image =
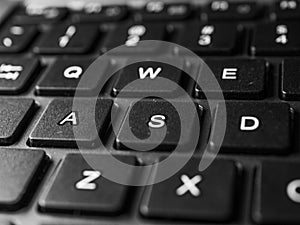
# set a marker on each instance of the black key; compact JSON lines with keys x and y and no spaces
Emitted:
{"x":158,"y":10}
{"x":96,"y":12}
{"x":70,"y":39}
{"x":225,"y":10}
{"x":147,"y":73}
{"x":14,"y":116}
{"x":290,"y":79}
{"x":131,"y":35}
{"x":210,"y":38}
{"x":63,"y":76}
{"x":16,"y":74}
{"x":276,"y":39}
{"x":255,"y":128}
{"x":277,"y":200}
{"x":16,"y":38}
{"x":57,"y":124}
{"x":287,"y":9}
{"x":194,"y":195}
{"x":38,"y":15}
{"x":147,"y":118}
{"x":238,"y":78}
{"x":78,"y":187}
{"x":20,"y":171}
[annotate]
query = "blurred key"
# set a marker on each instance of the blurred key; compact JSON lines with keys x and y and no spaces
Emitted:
{"x":14,"y":116}
{"x":210,"y":39}
{"x":276,"y":39}
{"x":79,"y":187}
{"x":235,"y":10}
{"x":194,"y":195}
{"x":20,"y":171}
{"x":16,"y":38}
{"x":290,"y":78}
{"x":67,"y":39}
{"x":238,"y":78}
{"x":130,"y":35}
{"x":255,"y":128}
{"x":159,"y":11}
{"x":16,"y":74}
{"x":287,"y":9}
{"x":277,"y":199}
{"x":63,"y":76}
{"x":57,"y":124}
{"x":38,"y":15}
{"x":96,"y":12}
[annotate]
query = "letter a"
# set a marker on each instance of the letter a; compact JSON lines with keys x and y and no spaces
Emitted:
{"x":70,"y":118}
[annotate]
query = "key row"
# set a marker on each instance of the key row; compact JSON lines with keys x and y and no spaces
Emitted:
{"x":251,"y":126}
{"x":238,"y":78}
{"x":157,"y":11}
{"x":190,"y":195}
{"x":207,"y":39}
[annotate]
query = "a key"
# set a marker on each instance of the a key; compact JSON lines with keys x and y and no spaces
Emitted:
{"x":148,"y":74}
{"x":194,"y":195}
{"x":14,"y":116}
{"x":57,"y":124}
{"x":130,"y":35}
{"x":225,"y":10}
{"x":80,"y":187}
{"x":276,"y":39}
{"x":287,"y":9}
{"x":277,"y":199}
{"x":149,"y":117}
{"x":38,"y":15}
{"x":16,"y":38}
{"x":96,"y":12}
{"x":210,"y":39}
{"x":158,"y":10}
{"x":67,"y":39}
{"x":20,"y":171}
{"x":238,"y":78}
{"x":290,"y":79}
{"x":254,"y":128}
{"x":62,"y":78}
{"x":16,"y":74}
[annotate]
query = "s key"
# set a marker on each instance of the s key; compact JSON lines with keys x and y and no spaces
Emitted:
{"x":276,"y":39}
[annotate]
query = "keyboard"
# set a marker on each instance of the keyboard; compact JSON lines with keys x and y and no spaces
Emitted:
{"x":55,"y":156}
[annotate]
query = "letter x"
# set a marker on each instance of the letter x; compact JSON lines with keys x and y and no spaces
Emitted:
{"x":189,"y":185}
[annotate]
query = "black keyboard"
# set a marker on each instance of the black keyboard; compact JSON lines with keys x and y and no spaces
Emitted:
{"x":253,"y":50}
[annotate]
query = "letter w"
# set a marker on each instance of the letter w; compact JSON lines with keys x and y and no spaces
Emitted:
{"x":149,"y":71}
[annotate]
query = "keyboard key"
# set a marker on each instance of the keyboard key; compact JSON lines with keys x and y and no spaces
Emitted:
{"x":16,"y":38}
{"x":147,"y":72}
{"x":159,"y":11}
{"x":210,"y":39}
{"x":57,"y":124}
{"x":290,"y":79}
{"x":194,"y":195}
{"x":287,"y":9}
{"x":225,"y":10}
{"x":238,"y":78}
{"x":255,"y":128}
{"x":77,"y":187}
{"x":131,"y":34}
{"x":38,"y":15}
{"x":277,"y":200}
{"x":20,"y":171}
{"x":148,"y":116}
{"x":70,"y":39}
{"x":14,"y":116}
{"x":95,"y":12}
{"x":16,"y":73}
{"x":63,"y":76}
{"x":276,"y":39}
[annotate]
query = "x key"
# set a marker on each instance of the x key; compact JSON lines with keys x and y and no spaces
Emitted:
{"x":189,"y":185}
